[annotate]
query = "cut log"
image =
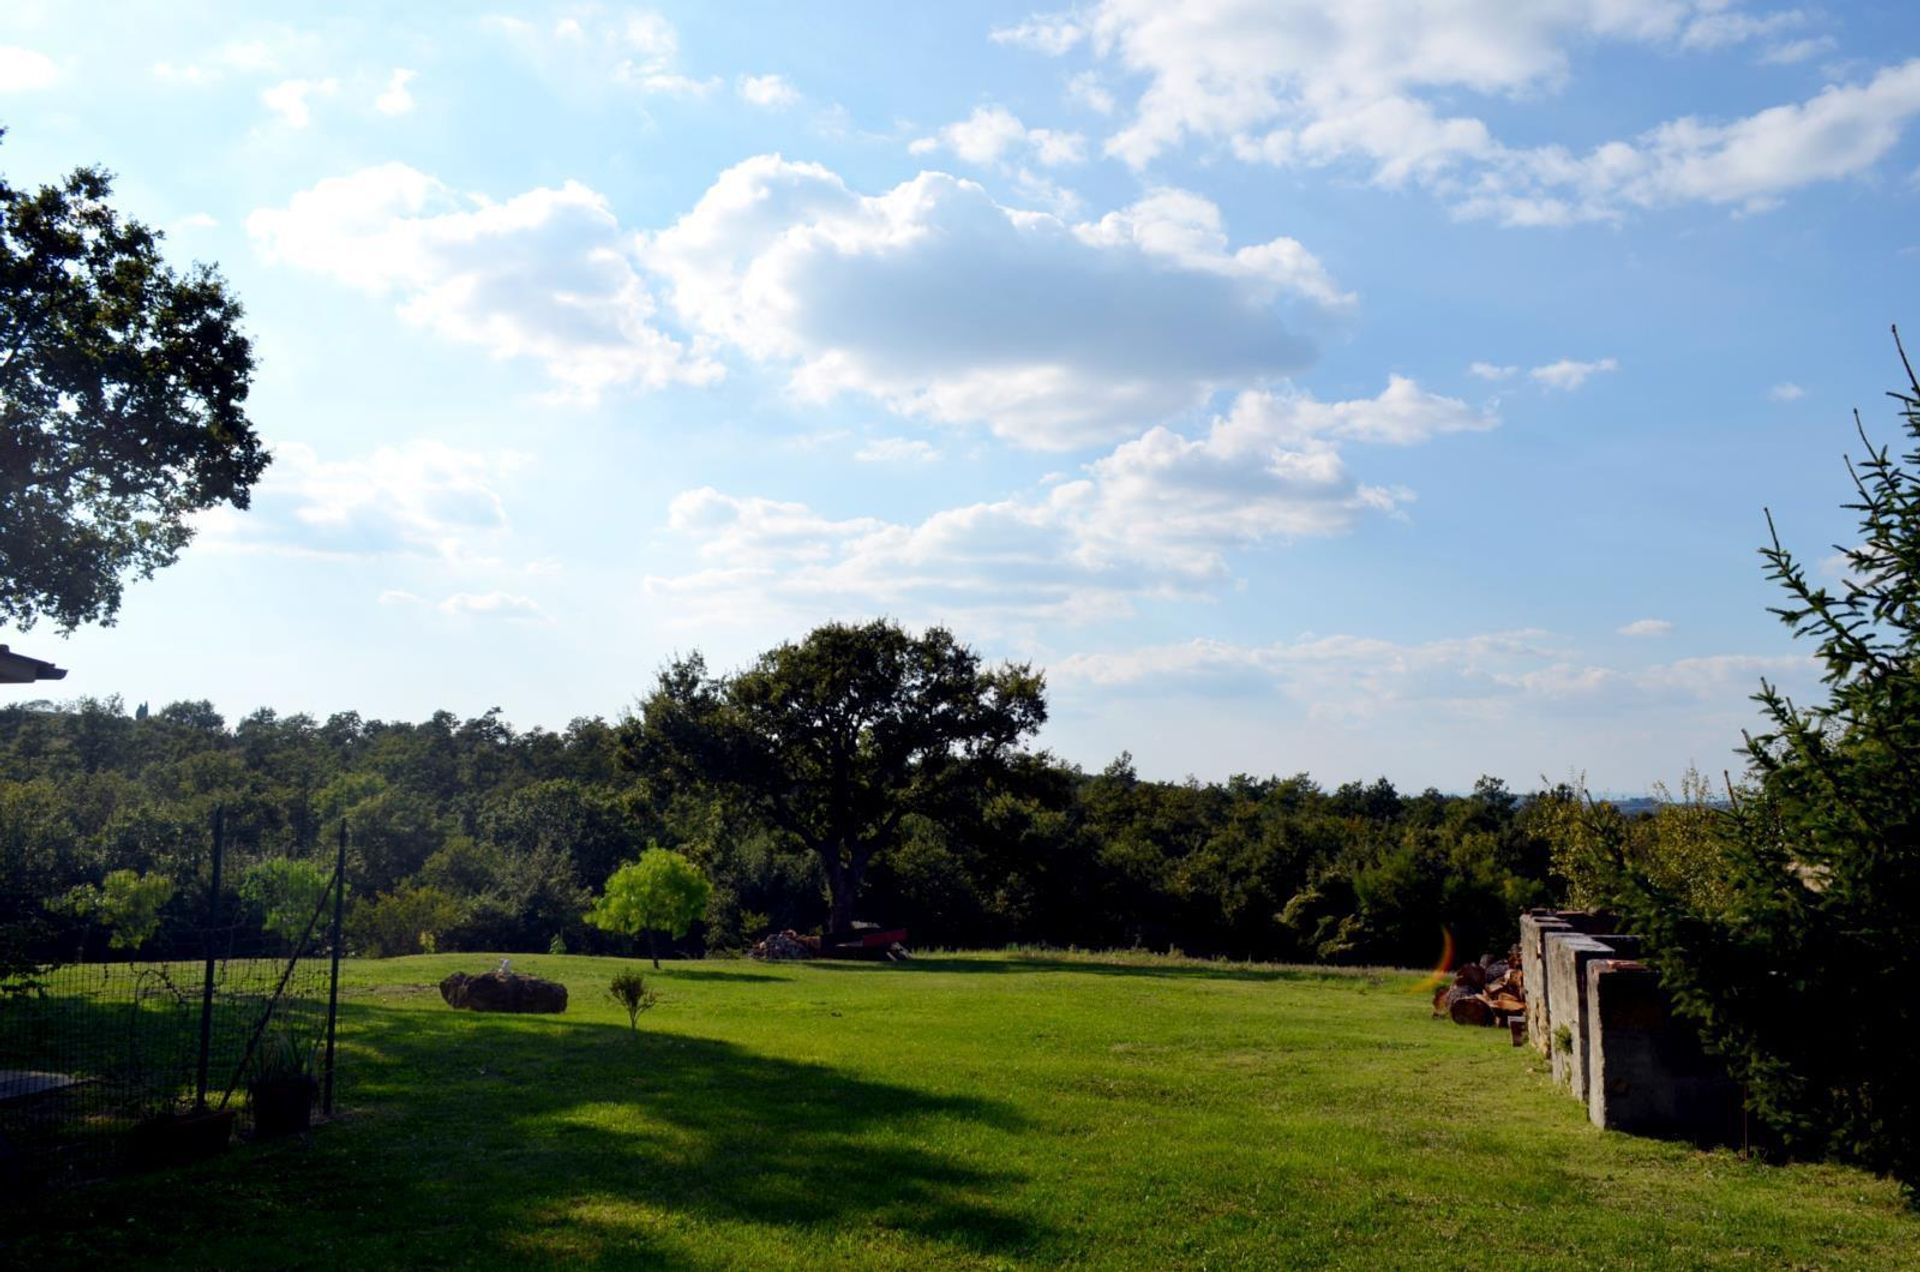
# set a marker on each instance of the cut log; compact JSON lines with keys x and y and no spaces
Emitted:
{"x":1471,"y":1011}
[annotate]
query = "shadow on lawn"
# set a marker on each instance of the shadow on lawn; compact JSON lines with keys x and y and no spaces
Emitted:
{"x":1117,"y":967}
{"x":699,"y":969}
{"x":488,"y":1141}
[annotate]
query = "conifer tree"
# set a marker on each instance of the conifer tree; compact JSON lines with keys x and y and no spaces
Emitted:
{"x":1805,"y":976}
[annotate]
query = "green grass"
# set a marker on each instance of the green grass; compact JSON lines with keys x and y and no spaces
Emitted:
{"x":977,"y":1111}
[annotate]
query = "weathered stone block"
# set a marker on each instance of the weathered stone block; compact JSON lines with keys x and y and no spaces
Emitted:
{"x":1534,"y":926}
{"x":1568,"y":954}
{"x":1647,"y":1072}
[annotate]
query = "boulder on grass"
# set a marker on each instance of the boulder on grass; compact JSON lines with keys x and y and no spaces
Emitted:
{"x":503,"y":991}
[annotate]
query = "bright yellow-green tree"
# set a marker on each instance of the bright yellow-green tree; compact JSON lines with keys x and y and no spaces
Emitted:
{"x":661,"y":892}
{"x":127,"y":903}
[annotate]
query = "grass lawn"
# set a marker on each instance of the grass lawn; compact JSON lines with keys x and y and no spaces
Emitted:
{"x":975,"y":1111}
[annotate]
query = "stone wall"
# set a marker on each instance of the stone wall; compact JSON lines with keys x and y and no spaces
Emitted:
{"x":1611,"y":1035}
{"x":1534,"y":926}
{"x":1569,"y":954}
{"x":1646,"y":1070}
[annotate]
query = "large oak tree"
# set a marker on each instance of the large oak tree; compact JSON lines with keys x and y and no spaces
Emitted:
{"x":834,"y":740}
{"x":122,"y":391}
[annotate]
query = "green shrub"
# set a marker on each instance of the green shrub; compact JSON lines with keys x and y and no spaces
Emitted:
{"x":408,"y":920}
{"x":629,"y":989}
{"x":1680,"y":847}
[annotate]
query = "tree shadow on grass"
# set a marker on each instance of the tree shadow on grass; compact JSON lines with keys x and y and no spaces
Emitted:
{"x":495,"y":1141}
{"x":1093,"y":966}
{"x":707,"y":969}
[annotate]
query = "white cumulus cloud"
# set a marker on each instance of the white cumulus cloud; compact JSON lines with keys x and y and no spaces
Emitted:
{"x":942,"y":304}
{"x":494,"y":605}
{"x":289,"y":99}
{"x":396,"y":98}
{"x":417,"y":498}
{"x":26,"y":70}
{"x":1089,"y":90}
{"x":993,"y":134}
{"x":1717,"y":28}
{"x":1647,"y":627}
{"x":1790,"y":52}
{"x":544,"y":275}
{"x":1569,"y":373}
{"x":1156,"y":516}
{"x":1389,"y":86}
{"x":631,"y":49}
{"x":1050,"y":33}
{"x":770,"y":91}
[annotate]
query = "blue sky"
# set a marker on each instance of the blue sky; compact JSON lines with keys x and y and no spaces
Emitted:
{"x":1384,"y":388}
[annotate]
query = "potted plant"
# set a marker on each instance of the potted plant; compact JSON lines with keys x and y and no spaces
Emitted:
{"x":282,"y":1088}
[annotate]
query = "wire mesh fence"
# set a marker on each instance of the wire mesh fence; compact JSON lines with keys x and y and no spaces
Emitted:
{"x":108,"y":1065}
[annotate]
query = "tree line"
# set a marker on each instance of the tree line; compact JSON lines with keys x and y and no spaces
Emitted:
{"x":470,"y":834}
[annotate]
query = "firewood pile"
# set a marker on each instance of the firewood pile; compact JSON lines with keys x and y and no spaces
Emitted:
{"x":787,"y":945}
{"x":1490,"y":992}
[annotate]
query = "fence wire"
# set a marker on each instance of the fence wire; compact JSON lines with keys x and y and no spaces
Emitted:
{"x":91,"y":1053}
{"x":104,"y":1047}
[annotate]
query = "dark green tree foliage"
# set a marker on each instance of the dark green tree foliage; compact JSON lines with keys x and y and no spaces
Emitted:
{"x":285,"y":895}
{"x":409,"y":920}
{"x":122,"y":384}
{"x":837,"y":739}
{"x":472,"y":835}
{"x":86,"y":789}
{"x":1806,"y":974}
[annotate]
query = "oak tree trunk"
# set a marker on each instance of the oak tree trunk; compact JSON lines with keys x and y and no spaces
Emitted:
{"x":843,"y":889}
{"x":840,"y":913}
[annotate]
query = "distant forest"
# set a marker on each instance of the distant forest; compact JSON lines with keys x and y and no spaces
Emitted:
{"x":469,"y":834}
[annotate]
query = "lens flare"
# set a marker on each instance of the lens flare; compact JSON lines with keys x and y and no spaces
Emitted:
{"x":1442,"y":972}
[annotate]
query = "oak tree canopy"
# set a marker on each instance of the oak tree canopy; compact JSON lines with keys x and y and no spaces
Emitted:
{"x":123,"y":385}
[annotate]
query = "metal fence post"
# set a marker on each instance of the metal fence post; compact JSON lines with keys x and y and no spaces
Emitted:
{"x":333,"y":985}
{"x":206,"y":984}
